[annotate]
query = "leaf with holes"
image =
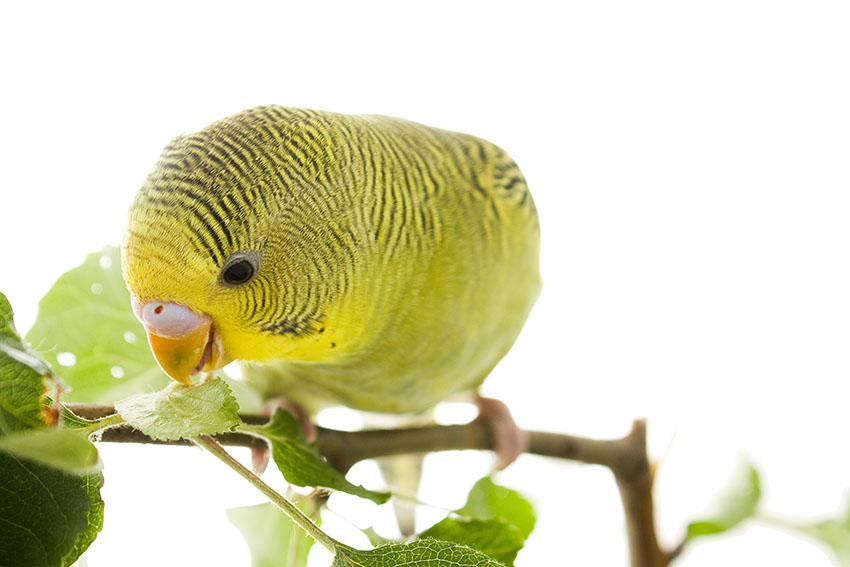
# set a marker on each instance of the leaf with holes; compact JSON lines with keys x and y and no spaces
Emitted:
{"x":24,"y":379}
{"x":274,"y":539}
{"x":85,"y":327}
{"x":300,"y":462}
{"x":181,"y":412}
{"x":736,"y":502}
{"x":421,"y":553}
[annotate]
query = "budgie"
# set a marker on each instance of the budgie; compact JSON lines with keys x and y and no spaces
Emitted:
{"x":354,"y":260}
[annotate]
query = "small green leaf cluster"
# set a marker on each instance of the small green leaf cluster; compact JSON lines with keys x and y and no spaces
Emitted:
{"x":86,"y":328}
{"x":738,"y":502}
{"x":495,"y":520}
{"x":488,"y":530}
{"x":300,"y":461}
{"x":50,"y":507}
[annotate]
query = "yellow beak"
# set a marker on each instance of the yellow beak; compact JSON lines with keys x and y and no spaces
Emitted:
{"x":181,"y":357}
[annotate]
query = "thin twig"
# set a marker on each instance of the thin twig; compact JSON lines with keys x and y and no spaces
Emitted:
{"x":625,"y":457}
{"x":280,"y":501}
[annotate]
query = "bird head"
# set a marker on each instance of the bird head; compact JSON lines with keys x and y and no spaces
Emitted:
{"x":223,"y":257}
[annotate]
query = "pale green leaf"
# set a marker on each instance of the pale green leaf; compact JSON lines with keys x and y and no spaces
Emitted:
{"x":419,"y":553}
{"x":489,"y":500}
{"x":833,"y":533}
{"x":274,"y":539}
{"x":249,"y":398}
{"x":180,"y":412}
{"x":375,"y":538}
{"x":494,"y":537}
{"x":735,"y":503}
{"x":300,"y":462}
{"x":87,"y":330}
{"x":65,"y":449}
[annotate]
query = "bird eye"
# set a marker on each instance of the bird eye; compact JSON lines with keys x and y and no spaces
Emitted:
{"x":239,"y":269}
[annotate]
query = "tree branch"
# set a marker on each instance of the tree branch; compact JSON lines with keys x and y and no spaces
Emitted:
{"x":625,"y":457}
{"x":634,"y":479}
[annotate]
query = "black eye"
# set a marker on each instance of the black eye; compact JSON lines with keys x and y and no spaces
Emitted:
{"x":240,"y":268}
{"x":238,"y":273}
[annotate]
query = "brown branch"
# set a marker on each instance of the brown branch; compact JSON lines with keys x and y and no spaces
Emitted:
{"x":625,"y":457}
{"x":635,"y":483}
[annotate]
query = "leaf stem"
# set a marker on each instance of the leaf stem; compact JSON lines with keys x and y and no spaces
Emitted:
{"x":279,"y":500}
{"x":103,"y":423}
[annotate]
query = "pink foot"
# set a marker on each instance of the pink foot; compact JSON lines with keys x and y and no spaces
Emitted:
{"x":260,"y":457}
{"x":509,"y":441}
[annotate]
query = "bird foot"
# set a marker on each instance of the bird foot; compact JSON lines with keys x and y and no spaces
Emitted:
{"x":509,"y":441}
{"x":260,"y":457}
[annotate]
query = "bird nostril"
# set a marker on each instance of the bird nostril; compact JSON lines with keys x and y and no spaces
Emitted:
{"x":169,"y":319}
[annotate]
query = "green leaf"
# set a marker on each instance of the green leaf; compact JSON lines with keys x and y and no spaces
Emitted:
{"x":85,"y":326}
{"x":70,"y":420}
{"x":375,"y":538}
{"x":419,"y":553}
{"x":274,"y":539}
{"x":65,"y":449}
{"x":249,"y":398}
{"x":47,"y":517}
{"x":495,"y":537}
{"x":489,"y":500}
{"x":11,"y":344}
{"x":179,"y":412}
{"x":833,"y":533}
{"x":300,"y":462}
{"x":24,"y":378}
{"x":736,"y":502}
{"x":497,"y":522}
{"x":92,"y":483}
{"x":7,"y":327}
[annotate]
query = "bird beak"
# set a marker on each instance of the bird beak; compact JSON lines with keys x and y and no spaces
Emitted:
{"x":181,"y":357}
{"x":183,"y":342}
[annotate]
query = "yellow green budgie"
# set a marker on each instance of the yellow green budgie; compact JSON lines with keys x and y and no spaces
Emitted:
{"x":354,"y":260}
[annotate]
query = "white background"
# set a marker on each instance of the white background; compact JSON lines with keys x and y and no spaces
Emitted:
{"x":690,"y":164}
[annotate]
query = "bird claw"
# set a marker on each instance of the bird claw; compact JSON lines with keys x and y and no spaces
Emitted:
{"x":509,"y":441}
{"x":259,"y":460}
{"x":260,"y":457}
